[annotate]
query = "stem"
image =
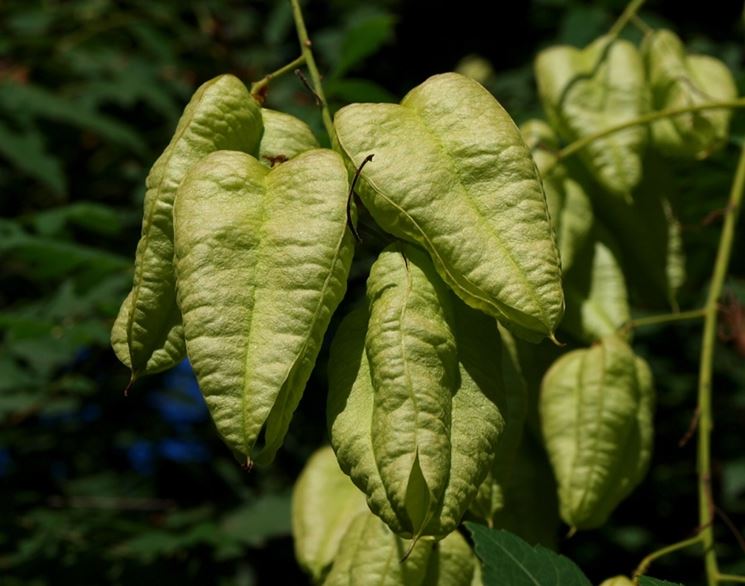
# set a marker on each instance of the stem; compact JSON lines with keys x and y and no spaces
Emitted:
{"x":647,"y":561}
{"x":706,"y":508}
{"x":630,"y":11}
{"x":576,"y":146}
{"x":665,"y":318}
{"x":730,"y":578}
{"x":315,"y":77}
{"x":257,"y":88}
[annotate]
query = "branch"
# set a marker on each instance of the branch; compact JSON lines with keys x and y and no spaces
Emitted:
{"x":643,"y":566}
{"x":628,"y":14}
{"x":703,"y":467}
{"x":576,"y":146}
{"x":258,"y":88}
{"x":310,"y":62}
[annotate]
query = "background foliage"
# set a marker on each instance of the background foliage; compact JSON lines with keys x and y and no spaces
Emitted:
{"x":98,"y":488}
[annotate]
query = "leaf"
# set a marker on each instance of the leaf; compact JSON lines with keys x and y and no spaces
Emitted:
{"x":258,"y":521}
{"x":24,"y":100}
{"x":324,"y":503}
{"x":371,"y":554}
{"x":452,"y":174}
{"x":262,"y":258}
{"x":509,"y":560}
{"x":569,"y":205}
{"x":597,"y":300}
{"x":148,"y":335}
{"x":284,"y":137}
{"x":416,"y":435}
{"x":94,"y":217}
{"x":27,"y":151}
{"x":679,"y":80}
{"x":362,"y":39}
{"x":596,"y":417}
{"x":586,"y":91}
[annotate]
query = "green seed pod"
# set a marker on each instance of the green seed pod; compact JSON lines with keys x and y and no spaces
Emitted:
{"x":413,"y":413}
{"x":370,"y":554}
{"x":585,"y":91}
{"x":262,"y":258}
{"x":596,"y":418}
{"x":617,"y":581}
{"x":595,"y":288}
{"x":148,"y":334}
{"x":324,"y":504}
{"x":569,"y":205}
{"x":284,"y":137}
{"x":679,"y":80}
{"x":452,"y":174}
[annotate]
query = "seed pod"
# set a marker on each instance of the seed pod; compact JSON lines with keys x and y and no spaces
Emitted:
{"x":596,"y":419}
{"x":413,"y":415}
{"x":148,"y":334}
{"x":585,"y":91}
{"x":324,"y":504}
{"x":284,"y":137}
{"x":597,"y":300}
{"x":679,"y":80}
{"x":262,"y":258}
{"x":617,"y":581}
{"x":569,"y":205}
{"x":452,"y":174}
{"x":370,"y":554}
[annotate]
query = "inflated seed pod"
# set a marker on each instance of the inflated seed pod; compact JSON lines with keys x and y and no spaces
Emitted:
{"x":452,"y":174}
{"x":413,"y":411}
{"x":584,"y":91}
{"x":148,"y":335}
{"x":679,"y":80}
{"x":596,"y":417}
{"x":262,"y":257}
{"x":284,"y":137}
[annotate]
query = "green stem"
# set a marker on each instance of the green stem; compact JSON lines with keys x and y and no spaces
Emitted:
{"x":668,"y":549}
{"x":705,"y":424}
{"x":730,"y":578}
{"x":631,"y":9}
{"x":257,"y":87}
{"x":576,"y":146}
{"x":315,"y":77}
{"x":665,"y":318}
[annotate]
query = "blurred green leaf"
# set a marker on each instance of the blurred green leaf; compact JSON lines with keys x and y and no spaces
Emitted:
{"x":362,"y":39}
{"x":27,"y":151}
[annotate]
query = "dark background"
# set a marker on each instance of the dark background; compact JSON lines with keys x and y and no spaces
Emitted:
{"x":96,"y":488}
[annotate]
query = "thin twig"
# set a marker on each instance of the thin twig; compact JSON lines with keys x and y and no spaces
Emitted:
{"x":258,"y":88}
{"x":630,"y":11}
{"x":643,"y":566}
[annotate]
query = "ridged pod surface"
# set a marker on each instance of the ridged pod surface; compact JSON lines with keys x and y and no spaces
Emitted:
{"x":452,"y":174}
{"x":596,"y":417}
{"x":148,"y":335}
{"x":584,"y":91}
{"x":413,"y":411}
{"x":262,"y":258}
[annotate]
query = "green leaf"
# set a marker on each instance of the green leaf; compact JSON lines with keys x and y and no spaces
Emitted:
{"x":148,"y":335}
{"x":258,"y":521}
{"x":586,"y":91}
{"x":452,"y":173}
{"x":414,"y":419}
{"x":362,"y":39}
{"x":94,"y":217}
{"x":284,"y":137}
{"x":596,"y":417}
{"x":569,"y":205}
{"x":324,"y":503}
{"x":262,"y":258}
{"x":509,"y":560}
{"x":679,"y":80}
{"x":597,"y":300}
{"x":27,"y":151}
